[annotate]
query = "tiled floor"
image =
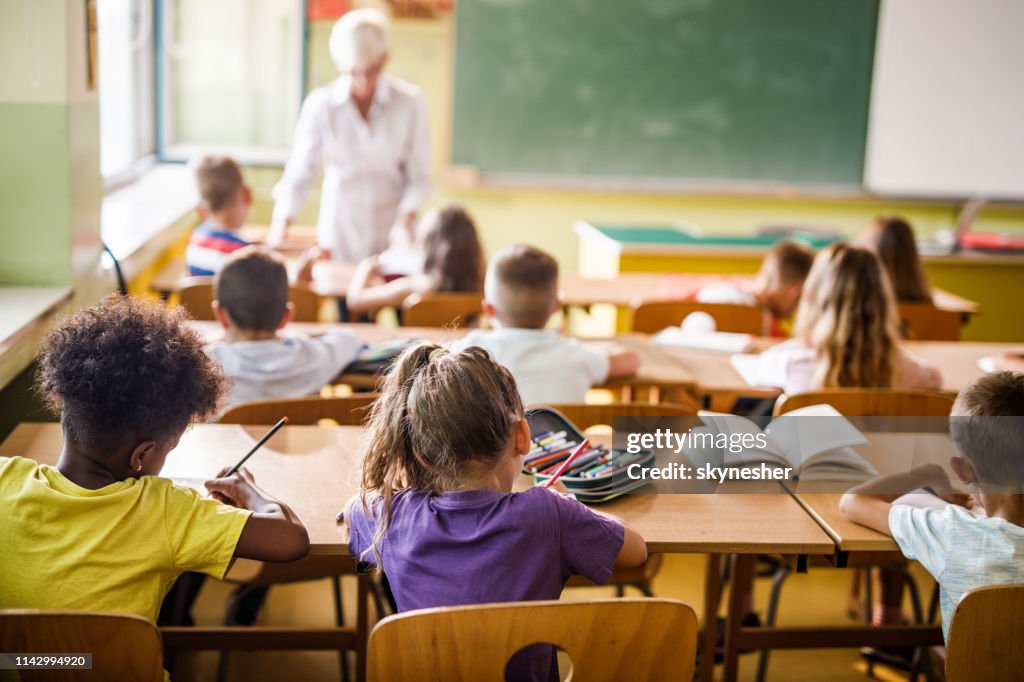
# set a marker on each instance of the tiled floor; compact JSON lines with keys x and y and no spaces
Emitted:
{"x":818,"y":597}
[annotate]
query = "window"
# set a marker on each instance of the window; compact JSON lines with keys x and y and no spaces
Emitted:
{"x":125,"y":76}
{"x":231,"y":77}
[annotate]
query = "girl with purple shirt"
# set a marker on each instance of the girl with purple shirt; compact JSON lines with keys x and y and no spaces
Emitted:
{"x":437,"y":513}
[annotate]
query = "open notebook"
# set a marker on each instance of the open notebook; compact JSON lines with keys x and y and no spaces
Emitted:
{"x":815,"y":441}
{"x":725,"y":342}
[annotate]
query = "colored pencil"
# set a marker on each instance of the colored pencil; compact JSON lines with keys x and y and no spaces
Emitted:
{"x":565,"y":465}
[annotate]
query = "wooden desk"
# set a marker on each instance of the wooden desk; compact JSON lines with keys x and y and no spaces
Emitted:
{"x":956,"y":360}
{"x":628,"y":289}
{"x":330,"y":279}
{"x":316,"y":469}
{"x":657,"y":368}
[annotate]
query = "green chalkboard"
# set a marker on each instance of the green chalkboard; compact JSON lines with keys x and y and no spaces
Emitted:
{"x":771,"y":91}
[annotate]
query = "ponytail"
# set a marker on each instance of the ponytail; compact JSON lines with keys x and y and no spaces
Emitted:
{"x":438,"y":411}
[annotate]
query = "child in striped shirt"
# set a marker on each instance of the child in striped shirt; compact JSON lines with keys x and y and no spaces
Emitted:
{"x":224,"y":206}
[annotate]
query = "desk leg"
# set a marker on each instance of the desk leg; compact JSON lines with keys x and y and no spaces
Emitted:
{"x":712,"y":589}
{"x":742,"y":575}
{"x":362,"y":624}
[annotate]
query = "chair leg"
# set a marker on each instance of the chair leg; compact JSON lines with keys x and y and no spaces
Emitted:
{"x":339,"y":620}
{"x":620,"y":591}
{"x":869,"y":606}
{"x":778,"y":580}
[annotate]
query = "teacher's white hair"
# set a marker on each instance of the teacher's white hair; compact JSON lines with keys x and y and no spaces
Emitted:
{"x":359,"y":39}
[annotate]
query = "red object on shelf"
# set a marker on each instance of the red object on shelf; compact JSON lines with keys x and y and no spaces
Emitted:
{"x":326,"y":9}
{"x":991,"y":241}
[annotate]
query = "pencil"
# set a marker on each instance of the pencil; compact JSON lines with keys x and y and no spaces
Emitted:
{"x":565,"y":465}
{"x":266,"y":437}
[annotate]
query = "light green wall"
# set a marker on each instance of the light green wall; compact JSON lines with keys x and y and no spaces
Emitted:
{"x":35,"y":210}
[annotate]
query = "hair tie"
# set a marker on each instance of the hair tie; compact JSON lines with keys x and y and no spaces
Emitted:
{"x":434,"y":353}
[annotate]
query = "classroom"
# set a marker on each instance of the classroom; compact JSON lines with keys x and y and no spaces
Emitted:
{"x":348,"y":340}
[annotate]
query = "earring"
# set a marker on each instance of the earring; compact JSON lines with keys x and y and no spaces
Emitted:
{"x":138,"y":468}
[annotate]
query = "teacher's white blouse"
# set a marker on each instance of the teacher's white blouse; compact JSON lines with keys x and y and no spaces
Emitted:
{"x":373,"y":169}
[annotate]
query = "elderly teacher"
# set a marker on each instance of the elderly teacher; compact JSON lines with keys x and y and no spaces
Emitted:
{"x":368,"y":133}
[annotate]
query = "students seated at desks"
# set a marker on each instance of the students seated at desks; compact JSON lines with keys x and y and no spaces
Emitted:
{"x":450,"y":260}
{"x":520,"y":296}
{"x":251,"y":304}
{"x":437,"y":513}
{"x":960,"y":548}
{"x":101,"y":531}
{"x":776,"y":288}
{"x":845,"y":333}
{"x":892,"y":240}
{"x":224,"y":201}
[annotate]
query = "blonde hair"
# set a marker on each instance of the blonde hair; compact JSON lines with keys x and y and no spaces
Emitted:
{"x":439,"y":411}
{"x":892,"y":239}
{"x":360,"y":38}
{"x":522,"y":285}
{"x":848,"y":316}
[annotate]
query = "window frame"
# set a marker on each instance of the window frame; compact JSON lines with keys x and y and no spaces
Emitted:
{"x":252,"y":156}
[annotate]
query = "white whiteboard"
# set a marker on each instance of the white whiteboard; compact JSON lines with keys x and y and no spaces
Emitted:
{"x":947,"y":99}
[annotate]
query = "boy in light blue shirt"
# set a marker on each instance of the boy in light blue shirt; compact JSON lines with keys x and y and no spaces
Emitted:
{"x":960,"y":546}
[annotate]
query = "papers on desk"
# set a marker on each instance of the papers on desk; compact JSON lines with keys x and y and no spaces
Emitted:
{"x":987,"y":363}
{"x":725,"y":342}
{"x":814,"y":441}
{"x":747,"y":365}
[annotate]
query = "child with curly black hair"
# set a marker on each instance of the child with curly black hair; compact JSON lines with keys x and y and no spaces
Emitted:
{"x":102,"y":531}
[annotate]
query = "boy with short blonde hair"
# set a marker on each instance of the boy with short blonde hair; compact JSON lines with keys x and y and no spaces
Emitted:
{"x":520,"y":295}
{"x":224,"y":201}
{"x":960,"y":548}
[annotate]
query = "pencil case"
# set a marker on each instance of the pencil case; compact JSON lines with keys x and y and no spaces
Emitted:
{"x":598,"y":475}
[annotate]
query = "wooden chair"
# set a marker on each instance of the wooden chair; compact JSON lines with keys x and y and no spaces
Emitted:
{"x":585,"y":416}
{"x":123,"y":646}
{"x":196,"y":294}
{"x":872,"y":402}
{"x":652,"y":316}
{"x":622,"y":639}
{"x":442,"y":309}
{"x":923,"y":322}
{"x":347,"y":411}
{"x":984,"y":635}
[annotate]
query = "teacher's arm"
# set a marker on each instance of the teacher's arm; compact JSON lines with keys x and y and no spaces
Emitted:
{"x":417,"y":166}
{"x":302,"y":169}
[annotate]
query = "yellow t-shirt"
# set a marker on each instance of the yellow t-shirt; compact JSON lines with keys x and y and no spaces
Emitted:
{"x":116,"y":549}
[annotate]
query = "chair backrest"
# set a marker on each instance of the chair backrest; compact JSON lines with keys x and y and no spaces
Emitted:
{"x":984,"y":635}
{"x":922,"y":322}
{"x":347,"y":411}
{"x":586,"y":415}
{"x":614,"y":639}
{"x":871,"y":402}
{"x":123,"y":647}
{"x":442,"y":309}
{"x":653,"y":316}
{"x":196,"y":294}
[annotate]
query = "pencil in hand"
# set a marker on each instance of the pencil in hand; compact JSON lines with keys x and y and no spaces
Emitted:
{"x":565,"y":465}
{"x":274,"y":429}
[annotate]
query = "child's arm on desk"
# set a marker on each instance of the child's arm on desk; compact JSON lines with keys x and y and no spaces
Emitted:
{"x":868,"y":504}
{"x":273,"y":532}
{"x":622,"y":362}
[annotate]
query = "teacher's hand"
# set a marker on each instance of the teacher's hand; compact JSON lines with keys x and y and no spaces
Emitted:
{"x":278,"y":232}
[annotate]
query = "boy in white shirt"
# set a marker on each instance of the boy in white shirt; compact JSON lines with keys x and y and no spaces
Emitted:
{"x":961,"y":549}
{"x":520,"y":295}
{"x":251,"y":303}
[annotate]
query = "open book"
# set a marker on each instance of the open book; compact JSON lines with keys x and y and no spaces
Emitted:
{"x":814,"y":440}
